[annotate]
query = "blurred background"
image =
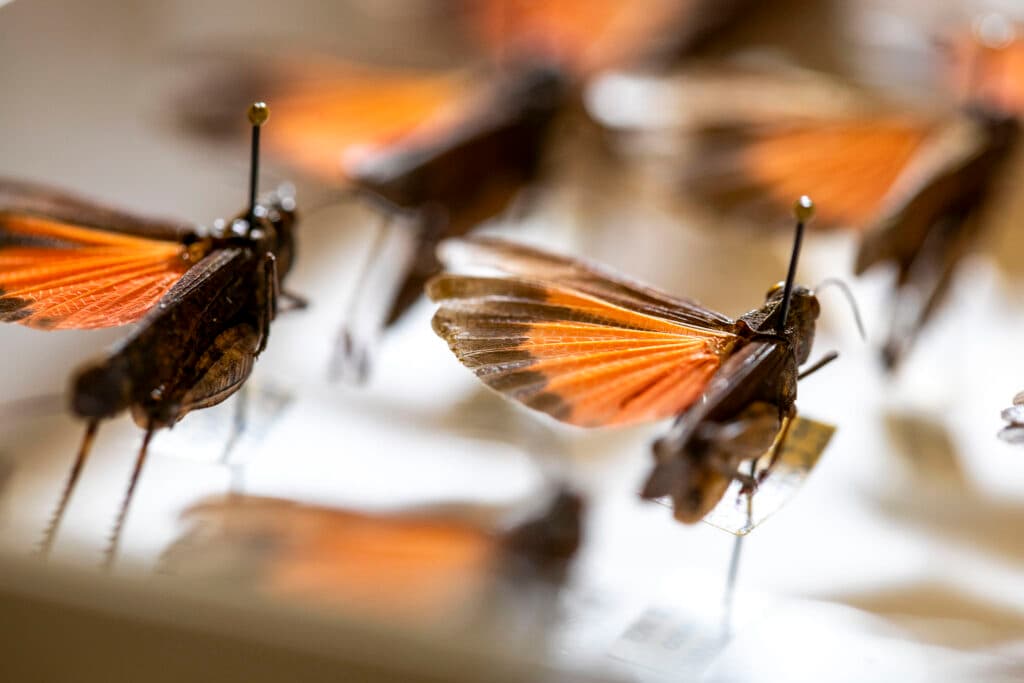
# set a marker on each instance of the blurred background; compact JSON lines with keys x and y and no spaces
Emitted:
{"x":899,"y":557}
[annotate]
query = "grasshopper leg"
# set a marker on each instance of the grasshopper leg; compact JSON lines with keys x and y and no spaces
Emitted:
{"x":115,"y":536}
{"x":50,"y":534}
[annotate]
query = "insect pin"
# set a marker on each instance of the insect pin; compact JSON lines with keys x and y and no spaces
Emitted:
{"x":594,"y":349}
{"x":203,"y":302}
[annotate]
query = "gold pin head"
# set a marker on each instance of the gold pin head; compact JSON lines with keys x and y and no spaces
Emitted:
{"x":803,"y":209}
{"x":259,"y":112}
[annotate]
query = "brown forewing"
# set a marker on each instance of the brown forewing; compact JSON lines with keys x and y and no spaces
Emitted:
{"x":698,"y":458}
{"x":156,"y":368}
{"x":591,"y":278}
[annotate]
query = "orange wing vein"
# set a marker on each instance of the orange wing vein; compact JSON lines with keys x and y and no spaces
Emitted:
{"x":847,"y":165}
{"x":578,"y":357}
{"x":329,"y":119}
{"x":329,"y":114}
{"x":55,"y":275}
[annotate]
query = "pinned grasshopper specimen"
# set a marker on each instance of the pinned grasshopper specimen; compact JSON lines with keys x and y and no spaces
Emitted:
{"x":203,"y":303}
{"x":916,"y":185}
{"x":594,"y":349}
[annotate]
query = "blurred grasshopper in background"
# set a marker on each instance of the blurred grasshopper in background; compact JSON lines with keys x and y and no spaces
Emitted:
{"x":444,"y":151}
{"x":914,"y":183}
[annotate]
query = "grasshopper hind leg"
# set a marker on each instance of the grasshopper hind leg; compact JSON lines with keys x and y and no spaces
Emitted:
{"x":53,"y":526}
{"x":776,"y":449}
{"x":110,"y":555}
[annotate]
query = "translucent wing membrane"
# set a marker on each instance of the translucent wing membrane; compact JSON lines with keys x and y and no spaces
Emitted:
{"x":989,"y":70}
{"x":583,"y":34}
{"x":55,"y":275}
{"x":848,"y":165}
{"x":947,"y":181}
{"x":403,"y":564}
{"x":329,"y":126}
{"x":577,"y":356}
{"x":534,"y":264}
{"x":428,"y":563}
{"x":586,"y":36}
{"x":330,"y":115}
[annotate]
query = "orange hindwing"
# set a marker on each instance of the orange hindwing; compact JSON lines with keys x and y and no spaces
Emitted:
{"x":574,"y":353}
{"x":56,"y":275}
{"x":401,"y":564}
{"x":849,"y":166}
{"x":989,"y":69}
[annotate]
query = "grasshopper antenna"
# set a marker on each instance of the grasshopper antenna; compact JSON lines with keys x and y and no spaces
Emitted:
{"x":50,"y":534}
{"x":821,"y":362}
{"x":258,"y":115}
{"x":845,"y":289}
{"x":803,"y":210}
{"x":122,"y":515}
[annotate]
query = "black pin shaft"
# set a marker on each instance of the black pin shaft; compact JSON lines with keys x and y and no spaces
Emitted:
{"x":803,"y":209}
{"x":254,"y":172}
{"x":258,"y":114}
{"x":791,"y":276}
